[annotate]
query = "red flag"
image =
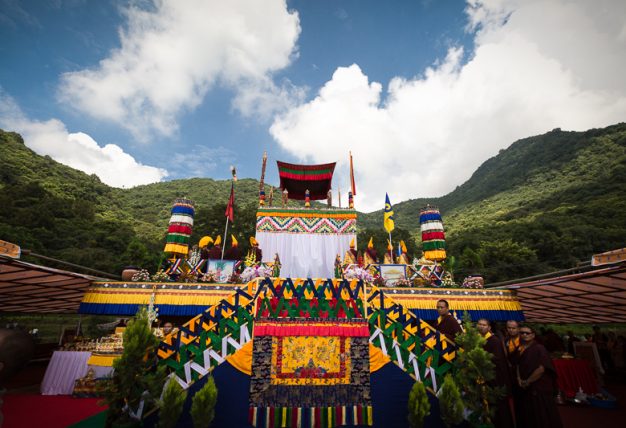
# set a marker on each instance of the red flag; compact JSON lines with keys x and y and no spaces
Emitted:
{"x":230,"y":208}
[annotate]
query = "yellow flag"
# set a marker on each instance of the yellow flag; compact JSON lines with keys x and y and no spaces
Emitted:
{"x":389,"y":224}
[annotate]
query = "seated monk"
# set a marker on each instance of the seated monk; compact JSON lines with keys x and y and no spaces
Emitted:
{"x":403,"y":259}
{"x":388,"y":259}
{"x":205,"y":245}
{"x":351,"y":256}
{"x":255,"y":252}
{"x":215,"y":252}
{"x":233,"y":253}
{"x":370,"y":257}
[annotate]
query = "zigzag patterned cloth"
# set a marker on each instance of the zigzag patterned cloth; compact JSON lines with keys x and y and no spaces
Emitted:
{"x":298,"y":224}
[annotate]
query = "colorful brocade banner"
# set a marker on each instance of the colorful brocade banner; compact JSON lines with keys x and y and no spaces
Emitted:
{"x":306,"y":221}
{"x":311,"y":355}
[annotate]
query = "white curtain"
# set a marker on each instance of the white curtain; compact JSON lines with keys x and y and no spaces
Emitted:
{"x":304,"y":255}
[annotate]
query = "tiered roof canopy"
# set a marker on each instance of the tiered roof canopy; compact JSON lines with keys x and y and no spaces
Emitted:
{"x":297,"y":179}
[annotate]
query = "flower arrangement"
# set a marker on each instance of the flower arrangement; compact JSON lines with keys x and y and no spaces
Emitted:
{"x":160,"y":276}
{"x":402,"y":283}
{"x":142,"y":276}
{"x":235,"y":278}
{"x":356,"y":272}
{"x":209,"y":276}
{"x":473,"y":281}
{"x":251,"y":272}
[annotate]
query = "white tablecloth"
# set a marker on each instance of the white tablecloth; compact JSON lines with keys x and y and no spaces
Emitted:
{"x":64,"y":368}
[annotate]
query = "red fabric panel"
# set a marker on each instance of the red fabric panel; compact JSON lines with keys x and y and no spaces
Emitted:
{"x":572,"y":374}
{"x":262,"y":328}
{"x":177,"y":228}
{"x":427,"y":236}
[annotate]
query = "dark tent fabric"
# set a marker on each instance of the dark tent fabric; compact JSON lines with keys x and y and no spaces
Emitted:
{"x":297,"y":179}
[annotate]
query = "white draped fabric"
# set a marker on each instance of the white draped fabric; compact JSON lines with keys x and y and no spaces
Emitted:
{"x":304,"y":255}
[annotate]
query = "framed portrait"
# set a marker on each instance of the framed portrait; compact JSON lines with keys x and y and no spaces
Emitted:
{"x":224,"y":269}
{"x":392,"y":273}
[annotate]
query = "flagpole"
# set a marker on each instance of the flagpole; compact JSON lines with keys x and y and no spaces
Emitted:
{"x":224,"y":241}
{"x":230,"y":206}
{"x":391,"y":245}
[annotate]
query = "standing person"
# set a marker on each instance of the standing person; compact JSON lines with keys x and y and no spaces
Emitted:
{"x":493,"y":345}
{"x":512,"y":348}
{"x":446,"y":323}
{"x":536,"y":377}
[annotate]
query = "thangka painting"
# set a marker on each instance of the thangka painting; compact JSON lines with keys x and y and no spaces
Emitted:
{"x":392,"y":273}
{"x":223,"y":269}
{"x":310,"y":374}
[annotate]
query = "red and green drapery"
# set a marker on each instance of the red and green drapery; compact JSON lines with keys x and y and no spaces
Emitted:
{"x":297,"y":179}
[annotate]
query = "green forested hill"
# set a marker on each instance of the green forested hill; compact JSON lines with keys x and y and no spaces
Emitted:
{"x":545,"y":202}
{"x":60,"y":212}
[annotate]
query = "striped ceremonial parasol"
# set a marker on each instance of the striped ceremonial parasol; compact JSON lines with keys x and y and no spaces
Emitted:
{"x":433,"y":236}
{"x":179,"y":230}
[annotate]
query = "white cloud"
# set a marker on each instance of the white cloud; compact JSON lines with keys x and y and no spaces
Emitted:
{"x":172,"y":53}
{"x":198,"y":161}
{"x":537,"y":65}
{"x":110,"y":163}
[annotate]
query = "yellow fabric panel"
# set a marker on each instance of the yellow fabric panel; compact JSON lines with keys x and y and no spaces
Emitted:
{"x":377,"y":358}
{"x":435,"y":254}
{"x":242,"y":359}
{"x":102,"y":360}
{"x":459,"y":303}
{"x":176,"y":248}
{"x":162,"y":297}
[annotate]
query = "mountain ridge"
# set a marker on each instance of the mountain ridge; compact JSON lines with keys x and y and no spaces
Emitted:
{"x":545,"y":202}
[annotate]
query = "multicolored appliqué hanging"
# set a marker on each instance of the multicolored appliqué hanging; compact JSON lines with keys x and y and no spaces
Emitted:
{"x":310,"y":373}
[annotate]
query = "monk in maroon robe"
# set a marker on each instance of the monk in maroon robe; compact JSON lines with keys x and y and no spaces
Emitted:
{"x":536,"y":377}
{"x":512,"y":345}
{"x":503,"y":417}
{"x":446,"y":323}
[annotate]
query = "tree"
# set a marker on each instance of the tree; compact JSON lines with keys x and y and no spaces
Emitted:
{"x":136,"y":376}
{"x":203,"y":404}
{"x":171,"y":405}
{"x":419,"y":406}
{"x":450,"y":402}
{"x":474,"y":369}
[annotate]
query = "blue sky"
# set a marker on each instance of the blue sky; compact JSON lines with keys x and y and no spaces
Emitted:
{"x":422,"y":92}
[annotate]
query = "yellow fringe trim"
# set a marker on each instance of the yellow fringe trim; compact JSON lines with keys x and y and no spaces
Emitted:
{"x":435,"y":254}
{"x":162,"y":297}
{"x":102,"y":360}
{"x":176,"y":248}
{"x":460,"y":303}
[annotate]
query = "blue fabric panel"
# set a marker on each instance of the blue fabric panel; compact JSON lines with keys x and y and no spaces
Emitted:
{"x":429,"y":217}
{"x":131,"y":309}
{"x":231,"y":410}
{"x":431,"y":314}
{"x":179,"y":209}
{"x":390,"y":398}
